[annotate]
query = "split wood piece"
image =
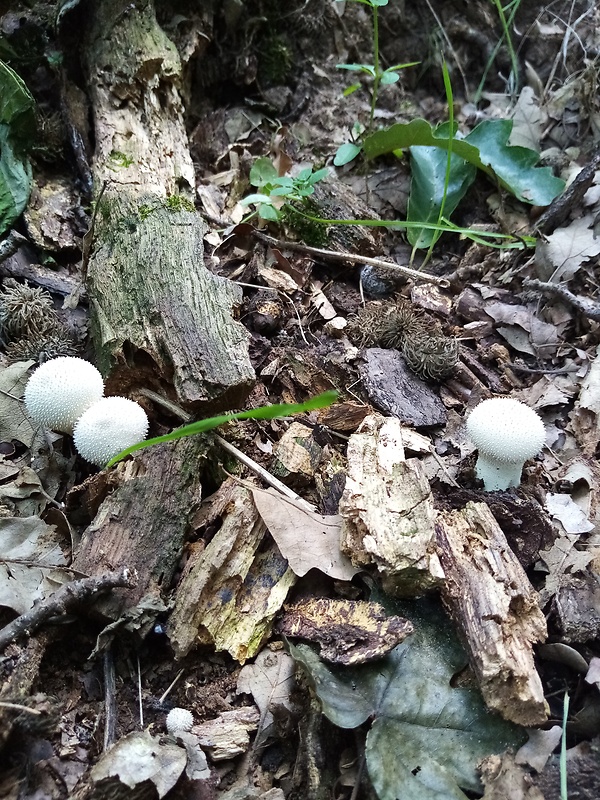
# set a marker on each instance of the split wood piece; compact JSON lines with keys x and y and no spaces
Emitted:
{"x":228,"y":736}
{"x":159,"y":317}
{"x":25,"y":665}
{"x":496,"y":611}
{"x":387,"y":510}
{"x":230,"y":590}
{"x":143,"y":521}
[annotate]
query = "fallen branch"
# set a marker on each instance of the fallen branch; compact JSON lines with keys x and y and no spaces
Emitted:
{"x":58,"y":603}
{"x":333,"y":255}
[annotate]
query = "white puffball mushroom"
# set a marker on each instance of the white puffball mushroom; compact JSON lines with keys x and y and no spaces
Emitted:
{"x":179,"y":719}
{"x":59,"y":391}
{"x":506,"y":434}
{"x":109,"y":426}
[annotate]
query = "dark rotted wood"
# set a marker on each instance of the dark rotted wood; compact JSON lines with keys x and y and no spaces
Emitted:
{"x":159,"y":317}
{"x":143,"y":522}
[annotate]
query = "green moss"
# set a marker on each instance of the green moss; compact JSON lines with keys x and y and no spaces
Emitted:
{"x":177,"y":202}
{"x":311,"y":233}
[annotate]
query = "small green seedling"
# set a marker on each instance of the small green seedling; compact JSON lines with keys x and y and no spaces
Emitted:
{"x":265,"y":412}
{"x":379,"y":77}
{"x":275,"y":190}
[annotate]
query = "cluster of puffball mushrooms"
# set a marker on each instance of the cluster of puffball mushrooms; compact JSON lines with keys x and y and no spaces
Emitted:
{"x":66,"y":394}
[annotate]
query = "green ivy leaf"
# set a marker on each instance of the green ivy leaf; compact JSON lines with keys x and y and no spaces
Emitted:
{"x":262,"y":172}
{"x":428,"y":178}
{"x":17,"y":131}
{"x":388,"y":77}
{"x":268,"y":212}
{"x":513,"y":167}
{"x":346,"y":153}
{"x":427,"y":736}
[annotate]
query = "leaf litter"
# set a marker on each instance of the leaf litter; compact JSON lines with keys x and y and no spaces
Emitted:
{"x":428,"y":727}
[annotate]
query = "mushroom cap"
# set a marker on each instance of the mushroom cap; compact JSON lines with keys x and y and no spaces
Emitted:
{"x":506,"y":430}
{"x":109,"y":426}
{"x":59,"y":391}
{"x":179,"y":719}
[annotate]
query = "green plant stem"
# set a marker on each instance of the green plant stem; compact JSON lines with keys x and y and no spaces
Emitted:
{"x":445,"y":226}
{"x":563,"y":750}
{"x":377,"y":77}
{"x":450,"y":101}
{"x":506,"y":25}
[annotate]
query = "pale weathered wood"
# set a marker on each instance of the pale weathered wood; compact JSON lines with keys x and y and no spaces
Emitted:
{"x":159,"y":317}
{"x":387,"y":510}
{"x":496,"y":611}
{"x":230,"y":591}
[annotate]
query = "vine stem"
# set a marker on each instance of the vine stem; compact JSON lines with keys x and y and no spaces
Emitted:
{"x":377,"y":69}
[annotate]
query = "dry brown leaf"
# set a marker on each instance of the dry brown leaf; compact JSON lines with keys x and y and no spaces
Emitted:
{"x":564,"y":251}
{"x":270,"y":681}
{"x":308,"y":540}
{"x":528,"y":119}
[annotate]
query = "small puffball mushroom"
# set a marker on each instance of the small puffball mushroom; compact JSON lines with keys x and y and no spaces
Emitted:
{"x":109,"y":426}
{"x":60,"y":391}
{"x":179,"y":719}
{"x":506,"y":434}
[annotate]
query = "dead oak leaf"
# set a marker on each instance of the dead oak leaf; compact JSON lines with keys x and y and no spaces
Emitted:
{"x":564,"y":251}
{"x":306,"y":539}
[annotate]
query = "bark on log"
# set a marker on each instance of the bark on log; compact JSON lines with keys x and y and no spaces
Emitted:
{"x":158,"y":316}
{"x":496,"y":611}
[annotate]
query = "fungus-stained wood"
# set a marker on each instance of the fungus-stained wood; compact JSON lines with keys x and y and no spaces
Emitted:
{"x":228,"y":736}
{"x":387,"y":510}
{"x":496,"y":611}
{"x":159,"y":317}
{"x":348,"y":631}
{"x":143,"y":522}
{"x":230,"y":590}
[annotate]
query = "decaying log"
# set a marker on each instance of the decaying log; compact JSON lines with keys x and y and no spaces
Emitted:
{"x":231,"y":589}
{"x":387,"y":510}
{"x":496,"y":611}
{"x":143,"y":522}
{"x":159,"y":318}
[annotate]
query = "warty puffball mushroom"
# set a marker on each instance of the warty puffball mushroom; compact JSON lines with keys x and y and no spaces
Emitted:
{"x":109,"y":426}
{"x":59,"y":391}
{"x":179,"y":719}
{"x":506,"y":434}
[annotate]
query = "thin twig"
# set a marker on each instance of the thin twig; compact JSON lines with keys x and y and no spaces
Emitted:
{"x":57,"y":604}
{"x":165,"y":694}
{"x":333,"y":255}
{"x":110,"y":699}
{"x":252,"y":465}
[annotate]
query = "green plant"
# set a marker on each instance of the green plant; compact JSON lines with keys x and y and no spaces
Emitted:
{"x":203,"y":425}
{"x":275,"y":190}
{"x":380,"y":77}
{"x":563,"y":750}
{"x":506,"y":23}
{"x":17,"y":133}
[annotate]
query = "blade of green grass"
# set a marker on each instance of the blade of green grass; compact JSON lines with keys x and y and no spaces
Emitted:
{"x":203,"y":425}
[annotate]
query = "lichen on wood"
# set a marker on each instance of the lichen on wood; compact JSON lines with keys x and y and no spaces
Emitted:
{"x":159,"y":317}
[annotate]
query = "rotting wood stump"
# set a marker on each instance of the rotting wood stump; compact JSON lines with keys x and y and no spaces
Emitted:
{"x":160,"y":319}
